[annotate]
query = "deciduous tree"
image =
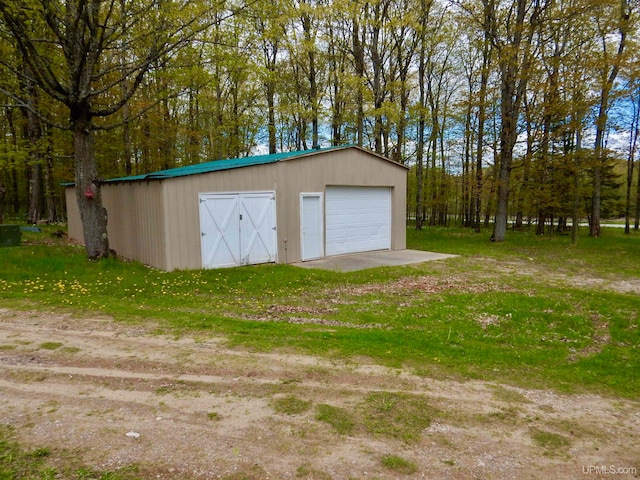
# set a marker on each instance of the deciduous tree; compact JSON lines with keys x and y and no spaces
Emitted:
{"x":75,"y":56}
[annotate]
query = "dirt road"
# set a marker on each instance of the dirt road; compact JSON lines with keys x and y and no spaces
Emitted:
{"x":104,"y":394}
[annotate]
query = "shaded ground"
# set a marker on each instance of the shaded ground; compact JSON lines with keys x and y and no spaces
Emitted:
{"x":194,"y":408}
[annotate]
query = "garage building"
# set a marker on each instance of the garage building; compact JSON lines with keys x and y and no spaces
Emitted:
{"x":281,"y":208}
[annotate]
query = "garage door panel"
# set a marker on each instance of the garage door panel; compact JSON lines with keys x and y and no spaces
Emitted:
{"x":358,"y":219}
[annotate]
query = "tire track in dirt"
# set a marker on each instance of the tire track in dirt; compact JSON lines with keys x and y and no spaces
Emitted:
{"x":204,"y":410}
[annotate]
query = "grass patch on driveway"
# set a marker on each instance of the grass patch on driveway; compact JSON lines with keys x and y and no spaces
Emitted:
{"x":532,"y":311}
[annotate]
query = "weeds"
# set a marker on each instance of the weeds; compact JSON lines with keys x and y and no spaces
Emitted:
{"x":17,"y":463}
{"x":392,"y":415}
{"x":340,"y":419}
{"x":552,"y":443}
{"x":399,"y":464}
{"x":50,"y":346}
{"x":397,"y":415}
{"x":291,"y":405}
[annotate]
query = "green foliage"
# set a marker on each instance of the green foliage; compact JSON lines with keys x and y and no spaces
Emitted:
{"x":216,"y":98}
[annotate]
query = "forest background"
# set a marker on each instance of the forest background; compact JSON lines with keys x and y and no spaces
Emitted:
{"x":524,"y":111}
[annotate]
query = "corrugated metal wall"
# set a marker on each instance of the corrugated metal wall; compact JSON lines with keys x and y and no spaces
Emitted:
{"x":136,"y":221}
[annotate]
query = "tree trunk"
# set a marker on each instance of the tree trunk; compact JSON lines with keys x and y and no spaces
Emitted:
{"x":504,"y":178}
{"x":627,"y":209}
{"x":636,"y":225}
{"x":482,"y":99}
{"x":126,"y":129}
{"x":3,"y":192}
{"x":601,"y":121}
{"x":421,"y":123}
{"x":271,"y":112}
{"x":594,"y":224}
{"x":466,"y":164}
{"x":575,"y":228}
{"x":88,"y":193}
{"x":36,"y":190}
{"x":33,"y":134}
{"x":306,"y":21}
{"x":50,"y":199}
{"x":633,"y":144}
{"x":36,"y":185}
{"x":358,"y":59}
{"x":12,"y":192}
{"x":377,"y":87}
{"x":509,"y":114}
{"x":420,"y":174}
{"x":514,"y":70}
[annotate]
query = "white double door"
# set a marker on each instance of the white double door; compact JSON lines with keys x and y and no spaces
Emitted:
{"x":238,"y":228}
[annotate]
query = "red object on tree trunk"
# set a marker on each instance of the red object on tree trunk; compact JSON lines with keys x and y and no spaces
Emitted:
{"x":89,"y":193}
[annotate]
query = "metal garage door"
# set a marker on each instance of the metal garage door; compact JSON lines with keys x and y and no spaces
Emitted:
{"x":237,"y":228}
{"x":358,"y":219}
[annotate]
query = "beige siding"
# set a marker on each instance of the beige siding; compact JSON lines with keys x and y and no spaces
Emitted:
{"x":287,"y":178}
{"x":135,"y":226}
{"x":158,"y":222}
{"x":74,"y":224}
{"x":349,"y":166}
{"x":182,"y":219}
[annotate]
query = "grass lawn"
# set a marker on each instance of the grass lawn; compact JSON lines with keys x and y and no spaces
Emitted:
{"x":532,"y":311}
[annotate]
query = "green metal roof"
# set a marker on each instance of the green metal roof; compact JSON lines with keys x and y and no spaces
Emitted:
{"x":219,"y":165}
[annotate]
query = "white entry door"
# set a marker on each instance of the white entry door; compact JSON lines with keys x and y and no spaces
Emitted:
{"x":237,"y":229}
{"x":311,"y":226}
{"x":358,"y":219}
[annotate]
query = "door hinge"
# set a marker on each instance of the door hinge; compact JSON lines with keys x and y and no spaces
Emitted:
{"x":202,"y":234}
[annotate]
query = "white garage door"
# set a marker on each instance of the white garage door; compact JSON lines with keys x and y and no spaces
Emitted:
{"x":237,"y":229}
{"x":358,"y":219}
